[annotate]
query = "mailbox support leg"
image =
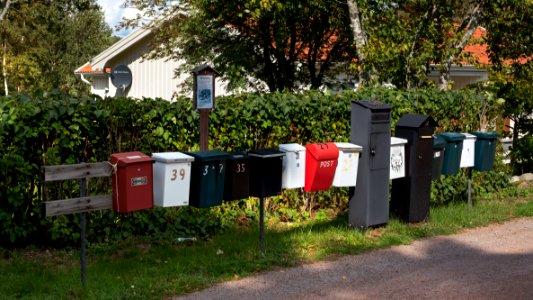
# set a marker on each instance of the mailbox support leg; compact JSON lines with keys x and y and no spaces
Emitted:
{"x":469,"y":187}
{"x":262,"y":224}
{"x":83,"y":230}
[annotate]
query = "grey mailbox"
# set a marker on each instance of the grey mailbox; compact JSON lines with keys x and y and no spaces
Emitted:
{"x":369,"y":200}
{"x":410,"y":194}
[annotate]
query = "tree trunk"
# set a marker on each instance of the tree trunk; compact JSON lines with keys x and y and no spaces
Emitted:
{"x":360,"y":38}
{"x":4,"y":69}
{"x":5,"y":7}
{"x":456,"y":48}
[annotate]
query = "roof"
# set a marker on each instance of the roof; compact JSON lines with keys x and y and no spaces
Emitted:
{"x":87,"y":68}
{"x":477,"y":49}
{"x":416,"y":121}
{"x":98,"y":62}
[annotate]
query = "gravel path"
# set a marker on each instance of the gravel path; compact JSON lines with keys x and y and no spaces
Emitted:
{"x":494,"y":262}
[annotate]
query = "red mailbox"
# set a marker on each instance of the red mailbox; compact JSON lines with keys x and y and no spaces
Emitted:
{"x":321,"y":163}
{"x":132,"y":181}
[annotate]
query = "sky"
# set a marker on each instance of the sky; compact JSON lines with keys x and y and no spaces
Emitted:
{"x":114,"y":13}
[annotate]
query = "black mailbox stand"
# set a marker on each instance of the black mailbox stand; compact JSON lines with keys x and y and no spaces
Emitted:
{"x":411,"y":194}
{"x":369,"y":199}
{"x":266,"y":167}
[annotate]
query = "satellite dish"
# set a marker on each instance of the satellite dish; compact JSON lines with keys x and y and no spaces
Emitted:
{"x":121,"y":77}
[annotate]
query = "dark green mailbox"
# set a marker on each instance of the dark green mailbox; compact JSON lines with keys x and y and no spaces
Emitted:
{"x":438,"y":157}
{"x":452,"y":152}
{"x":485,"y":148}
{"x":207,"y":178}
{"x":237,"y":181}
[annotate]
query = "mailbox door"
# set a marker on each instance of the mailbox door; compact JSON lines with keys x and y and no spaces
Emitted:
{"x":139,"y":186}
{"x":293,"y":174}
{"x":237,"y":178}
{"x":468,"y":152}
{"x":379,"y":150}
{"x":265,"y":172}
{"x":424,"y":156}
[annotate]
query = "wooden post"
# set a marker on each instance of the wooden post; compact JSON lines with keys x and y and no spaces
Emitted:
{"x":83,"y":204}
{"x":83,"y":225}
{"x":204,"y":130}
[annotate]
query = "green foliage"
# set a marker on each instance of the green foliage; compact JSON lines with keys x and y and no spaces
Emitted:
{"x":43,"y":42}
{"x":54,"y":129}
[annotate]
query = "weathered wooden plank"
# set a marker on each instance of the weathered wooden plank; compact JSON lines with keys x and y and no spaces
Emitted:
{"x":77,"y":171}
{"x":78,"y":205}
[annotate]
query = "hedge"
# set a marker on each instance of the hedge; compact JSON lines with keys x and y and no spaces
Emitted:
{"x":53,"y":129}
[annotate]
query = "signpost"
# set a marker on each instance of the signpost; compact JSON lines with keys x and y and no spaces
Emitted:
{"x":204,"y":99}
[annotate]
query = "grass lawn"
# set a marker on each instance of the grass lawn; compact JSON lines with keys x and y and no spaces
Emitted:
{"x":140,"y":268}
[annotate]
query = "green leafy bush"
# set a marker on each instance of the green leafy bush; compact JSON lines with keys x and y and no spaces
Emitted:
{"x":53,"y":129}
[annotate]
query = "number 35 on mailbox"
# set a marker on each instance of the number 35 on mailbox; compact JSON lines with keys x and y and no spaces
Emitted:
{"x":321,"y":163}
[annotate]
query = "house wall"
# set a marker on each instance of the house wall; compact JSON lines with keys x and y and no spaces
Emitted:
{"x":99,"y":85}
{"x":150,"y":78}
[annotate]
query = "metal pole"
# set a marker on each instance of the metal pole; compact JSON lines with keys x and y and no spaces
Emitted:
{"x":83,"y":225}
{"x":262,"y":224}
{"x":469,"y":187}
{"x":204,"y":130}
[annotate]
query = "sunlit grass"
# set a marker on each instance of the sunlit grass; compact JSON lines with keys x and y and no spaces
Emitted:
{"x":142,"y":268}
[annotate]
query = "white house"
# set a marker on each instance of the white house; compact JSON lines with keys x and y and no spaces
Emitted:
{"x":155,"y":78}
{"x":151,"y":78}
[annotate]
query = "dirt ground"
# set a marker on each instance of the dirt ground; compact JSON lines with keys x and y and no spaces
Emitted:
{"x":494,"y":262}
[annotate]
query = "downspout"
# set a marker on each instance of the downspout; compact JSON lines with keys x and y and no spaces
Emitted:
{"x":84,"y":79}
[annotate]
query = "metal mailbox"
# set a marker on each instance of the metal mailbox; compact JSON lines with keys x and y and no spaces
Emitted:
{"x":293,"y":174}
{"x":452,"y":152}
{"x":438,"y":157}
{"x":468,"y":153}
{"x":348,"y":163}
{"x":265,"y":172}
{"x":410,"y":195}
{"x":132,"y":181}
{"x":485,"y":150}
{"x":321,"y":164}
{"x":172,"y":178}
{"x":370,"y":128}
{"x":207,"y":178}
{"x":237,"y":180}
{"x":397,"y":157}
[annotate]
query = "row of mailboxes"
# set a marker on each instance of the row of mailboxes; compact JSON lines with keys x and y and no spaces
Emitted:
{"x":204,"y":178}
{"x":453,"y":151}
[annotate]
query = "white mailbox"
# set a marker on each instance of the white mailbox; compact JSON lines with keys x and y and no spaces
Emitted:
{"x":346,"y":173}
{"x":397,"y":157}
{"x":293,"y":174}
{"x":172,"y":178}
{"x":468,"y":152}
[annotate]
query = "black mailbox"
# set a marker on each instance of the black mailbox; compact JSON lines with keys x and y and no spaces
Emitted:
{"x":369,"y":199}
{"x":410,"y":194}
{"x":265,"y":172}
{"x":236,"y":185}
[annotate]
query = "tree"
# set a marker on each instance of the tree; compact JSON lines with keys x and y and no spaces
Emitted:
{"x":44,"y":41}
{"x":511,"y":51}
{"x":278,"y":42}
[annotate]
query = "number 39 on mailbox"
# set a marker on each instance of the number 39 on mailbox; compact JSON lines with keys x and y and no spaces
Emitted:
{"x":321,"y":163}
